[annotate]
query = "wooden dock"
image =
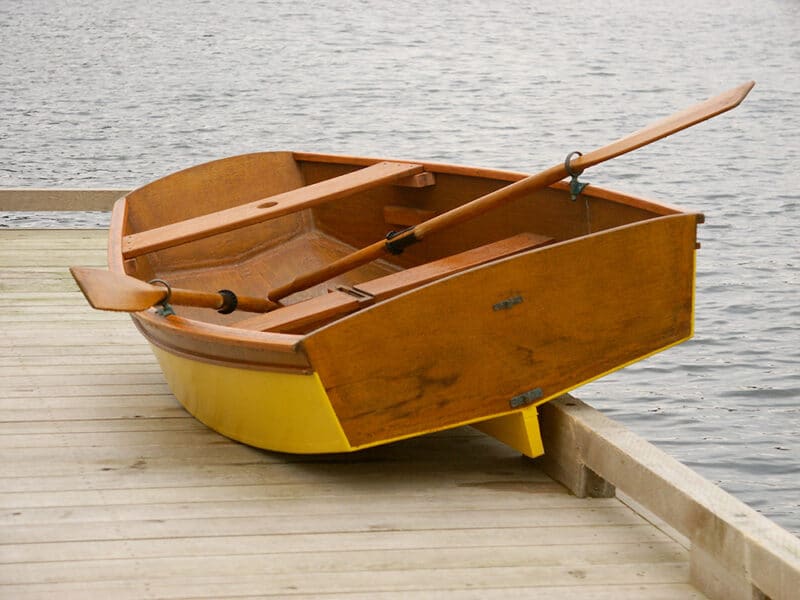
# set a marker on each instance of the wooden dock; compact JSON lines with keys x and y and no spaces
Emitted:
{"x":110,"y":489}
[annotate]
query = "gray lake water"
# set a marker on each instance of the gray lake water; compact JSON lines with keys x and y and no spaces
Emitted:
{"x":115,"y":94}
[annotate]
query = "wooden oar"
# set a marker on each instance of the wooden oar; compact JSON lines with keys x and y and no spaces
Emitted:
{"x":395,"y":243}
{"x":106,"y":290}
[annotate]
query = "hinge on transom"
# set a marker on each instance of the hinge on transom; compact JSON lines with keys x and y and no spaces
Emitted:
{"x":526,"y":398}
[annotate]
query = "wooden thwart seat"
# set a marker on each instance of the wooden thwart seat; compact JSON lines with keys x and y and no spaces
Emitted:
{"x":264,"y":209}
{"x":318,"y":310}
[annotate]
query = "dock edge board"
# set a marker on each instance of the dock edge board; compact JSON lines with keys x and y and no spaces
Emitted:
{"x":59,"y":199}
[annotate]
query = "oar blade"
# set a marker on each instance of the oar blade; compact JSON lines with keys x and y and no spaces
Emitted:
{"x":660,"y":129}
{"x":105,"y":290}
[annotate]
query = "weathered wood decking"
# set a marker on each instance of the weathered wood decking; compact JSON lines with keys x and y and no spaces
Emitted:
{"x":109,"y":489}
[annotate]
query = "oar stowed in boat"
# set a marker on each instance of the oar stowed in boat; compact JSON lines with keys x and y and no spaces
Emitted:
{"x":397,"y":241}
{"x":106,"y":290}
{"x":109,"y":291}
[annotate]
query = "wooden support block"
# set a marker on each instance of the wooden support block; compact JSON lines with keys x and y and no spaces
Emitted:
{"x":563,"y":459}
{"x":420,"y":180}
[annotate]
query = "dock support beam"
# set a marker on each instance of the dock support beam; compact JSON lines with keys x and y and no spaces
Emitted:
{"x":564,"y":451}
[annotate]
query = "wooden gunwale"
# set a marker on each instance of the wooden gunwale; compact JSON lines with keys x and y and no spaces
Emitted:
{"x":221,"y":345}
{"x":659,"y":208}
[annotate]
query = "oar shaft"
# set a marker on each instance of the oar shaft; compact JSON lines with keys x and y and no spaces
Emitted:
{"x":656,"y":131}
{"x":256,"y":305}
{"x":343,"y":265}
{"x":183,"y":297}
{"x":217,"y":301}
{"x":490,"y":201}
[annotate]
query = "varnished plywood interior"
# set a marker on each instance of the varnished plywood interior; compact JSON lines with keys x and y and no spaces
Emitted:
{"x":208,"y":188}
{"x":258,"y":258}
{"x":257,"y":274}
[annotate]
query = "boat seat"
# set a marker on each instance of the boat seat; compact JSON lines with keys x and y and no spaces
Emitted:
{"x":301,"y":316}
{"x":272,"y":207}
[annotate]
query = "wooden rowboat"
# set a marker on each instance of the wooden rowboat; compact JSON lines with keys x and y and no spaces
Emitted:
{"x":478,"y":325}
{"x":493,"y":315}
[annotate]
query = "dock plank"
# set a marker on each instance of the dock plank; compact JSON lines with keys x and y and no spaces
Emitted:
{"x":437,"y":583}
{"x":109,"y":489}
{"x":619,"y":541}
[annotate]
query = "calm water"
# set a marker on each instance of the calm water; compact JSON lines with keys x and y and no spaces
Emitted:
{"x":117,"y":93}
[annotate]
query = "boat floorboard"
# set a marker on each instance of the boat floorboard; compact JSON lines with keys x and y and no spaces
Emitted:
{"x":109,"y":489}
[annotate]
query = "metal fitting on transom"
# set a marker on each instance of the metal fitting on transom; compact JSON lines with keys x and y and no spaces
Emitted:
{"x":526,"y":398}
